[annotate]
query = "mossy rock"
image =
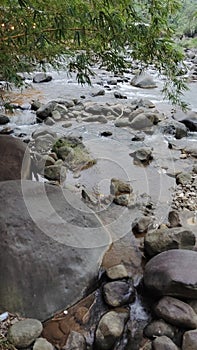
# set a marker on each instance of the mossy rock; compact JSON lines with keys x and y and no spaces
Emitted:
{"x":77,"y":158}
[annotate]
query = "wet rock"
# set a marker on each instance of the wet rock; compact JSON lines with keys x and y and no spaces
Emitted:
{"x":158,"y":328}
{"x":119,"y":95}
{"x":164,"y":239}
{"x":174,"y":128}
{"x":142,"y":155}
{"x":112,"y":81}
{"x":174,"y":219}
{"x":117,"y":272}
{"x":57,"y":260}
{"x":44,"y":143}
{"x":146,"y":103}
{"x":64,"y":152}
{"x":167,"y":274}
{"x":42,"y":344}
{"x":42,"y":131}
{"x":118,"y":293}
{"x":121,"y":123}
{"x":49,"y":121}
{"x":164,"y":343}
{"x":176,"y":312}
{"x":67,"y":125}
{"x":45,"y":111}
{"x":141,"y":121}
{"x":55,"y":172}
{"x":6,"y":131}
{"x":97,"y":109}
{"x":143,"y":80}
{"x":75,"y":341}
{"x":190,"y":340}
{"x":56,"y":115}
{"x":121,"y":192}
{"x":4,"y":119}
{"x":98,"y":93}
{"x":110,"y":329}
{"x":15,"y":159}
{"x":35,"y":105}
{"x":106,"y":133}
{"x":92,"y":119}
{"x":183,"y":178}
{"x":141,"y":225}
{"x":23,"y":333}
{"x":62,"y":109}
{"x":42,"y":78}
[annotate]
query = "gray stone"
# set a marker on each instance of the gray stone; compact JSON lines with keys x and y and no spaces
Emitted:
{"x":42,"y":78}
{"x":49,"y":121}
{"x":67,"y":125}
{"x":98,"y":93}
{"x":97,"y":109}
{"x":141,"y":121}
{"x":164,"y":343}
{"x":164,"y":239}
{"x":51,"y":248}
{"x":56,"y":115}
{"x":45,"y":111}
{"x":121,"y":123}
{"x":55,"y":172}
{"x":118,"y":293}
{"x":110,"y":329}
{"x":190,"y":340}
{"x":117,"y":272}
{"x":173,"y":127}
{"x":75,"y":341}
{"x":42,"y":344}
{"x":4,"y":119}
{"x":121,"y":192}
{"x":64,"y":152}
{"x":158,"y":328}
{"x":141,"y":225}
{"x":176,"y":312}
{"x":143,"y":80}
{"x":23,"y":333}
{"x":35,"y":105}
{"x":44,"y":143}
{"x":42,"y":131}
{"x":94,"y":118}
{"x":174,"y":219}
{"x":183,"y":178}
{"x":142,"y":155}
{"x":15,"y":159}
{"x":167,"y":273}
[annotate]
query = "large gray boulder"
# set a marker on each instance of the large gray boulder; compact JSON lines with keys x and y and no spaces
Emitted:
{"x":172,"y":272}
{"x":15,"y":160}
{"x":144,"y":81}
{"x":51,"y":247}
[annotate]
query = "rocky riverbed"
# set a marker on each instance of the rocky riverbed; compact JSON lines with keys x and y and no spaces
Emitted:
{"x":100,"y":245}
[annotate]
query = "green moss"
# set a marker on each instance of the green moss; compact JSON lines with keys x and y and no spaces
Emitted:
{"x":79,"y":158}
{"x":5,"y":344}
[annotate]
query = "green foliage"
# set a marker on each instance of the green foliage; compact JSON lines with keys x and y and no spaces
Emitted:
{"x":186,"y":19}
{"x":86,"y":32}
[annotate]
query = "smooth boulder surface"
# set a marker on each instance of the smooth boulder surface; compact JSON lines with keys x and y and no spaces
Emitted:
{"x":15,"y":160}
{"x":190,"y":340}
{"x":51,"y":248}
{"x":22,"y":333}
{"x":172,"y":272}
{"x":176,"y":312}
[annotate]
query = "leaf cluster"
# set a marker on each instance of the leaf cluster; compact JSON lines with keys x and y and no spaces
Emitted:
{"x":79,"y":33}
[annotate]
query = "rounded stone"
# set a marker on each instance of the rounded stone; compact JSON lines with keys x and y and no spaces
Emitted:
{"x":23,"y":333}
{"x":42,"y":344}
{"x":4,"y":119}
{"x":118,"y":293}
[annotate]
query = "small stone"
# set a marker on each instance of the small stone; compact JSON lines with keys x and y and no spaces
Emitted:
{"x":163,"y":343}
{"x":141,"y":225}
{"x":110,"y":329}
{"x":4,"y":119}
{"x":55,"y":172}
{"x":158,"y":328}
{"x":67,"y":125}
{"x":75,"y":341}
{"x":42,"y":78}
{"x":117,"y":272}
{"x":49,"y":121}
{"x":42,"y":344}
{"x":23,"y":333}
{"x":98,"y":93}
{"x":190,"y":340}
{"x":118,"y":293}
